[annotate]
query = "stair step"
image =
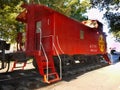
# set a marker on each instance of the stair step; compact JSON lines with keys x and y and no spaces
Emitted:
{"x":46,"y":65}
{"x":54,"y":80}
{"x":52,"y":77}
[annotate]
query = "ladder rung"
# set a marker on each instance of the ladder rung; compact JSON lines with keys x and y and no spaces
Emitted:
{"x":19,"y":67}
{"x":55,"y":79}
{"x":52,"y":73}
{"x":15,"y":65}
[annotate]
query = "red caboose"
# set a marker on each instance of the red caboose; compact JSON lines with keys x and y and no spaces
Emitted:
{"x":50,"y":34}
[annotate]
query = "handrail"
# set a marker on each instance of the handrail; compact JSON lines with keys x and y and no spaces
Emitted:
{"x":60,"y":64}
{"x":59,"y":45}
{"x":41,"y":47}
{"x":46,"y":60}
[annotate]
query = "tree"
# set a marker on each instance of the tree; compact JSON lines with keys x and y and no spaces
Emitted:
{"x":8,"y":25}
{"x":72,"y":8}
{"x":9,"y":9}
{"x":114,"y":24}
{"x":112,"y":14}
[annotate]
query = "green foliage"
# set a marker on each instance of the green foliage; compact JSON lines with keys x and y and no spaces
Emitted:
{"x":114,"y":24}
{"x":107,"y":4}
{"x":112,"y":14}
{"x":72,"y":8}
{"x":8,"y":25}
{"x":9,"y":9}
{"x":79,"y":9}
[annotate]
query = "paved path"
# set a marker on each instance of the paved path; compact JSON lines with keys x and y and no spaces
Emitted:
{"x":107,"y":78}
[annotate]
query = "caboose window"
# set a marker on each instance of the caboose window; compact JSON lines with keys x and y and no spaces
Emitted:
{"x":81,"y":34}
{"x":38,"y":27}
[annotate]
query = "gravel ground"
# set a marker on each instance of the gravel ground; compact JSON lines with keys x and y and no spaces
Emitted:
{"x":106,"y":78}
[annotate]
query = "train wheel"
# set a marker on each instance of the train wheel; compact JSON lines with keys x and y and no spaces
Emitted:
{"x":66,"y":63}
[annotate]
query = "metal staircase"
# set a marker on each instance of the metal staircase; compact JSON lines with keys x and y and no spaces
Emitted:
{"x":46,"y":66}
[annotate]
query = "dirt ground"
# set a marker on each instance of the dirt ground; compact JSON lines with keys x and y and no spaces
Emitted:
{"x":106,"y":78}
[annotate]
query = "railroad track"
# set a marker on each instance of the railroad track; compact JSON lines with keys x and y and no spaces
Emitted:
{"x":20,"y":80}
{"x":31,"y":79}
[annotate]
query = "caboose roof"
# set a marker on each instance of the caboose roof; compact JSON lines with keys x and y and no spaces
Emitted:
{"x":38,"y":10}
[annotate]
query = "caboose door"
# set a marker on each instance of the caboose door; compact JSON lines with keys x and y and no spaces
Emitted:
{"x":38,"y":35}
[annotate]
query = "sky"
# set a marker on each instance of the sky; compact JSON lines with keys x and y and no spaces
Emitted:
{"x":95,"y":14}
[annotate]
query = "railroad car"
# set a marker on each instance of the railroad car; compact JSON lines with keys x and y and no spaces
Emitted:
{"x":58,"y":43}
